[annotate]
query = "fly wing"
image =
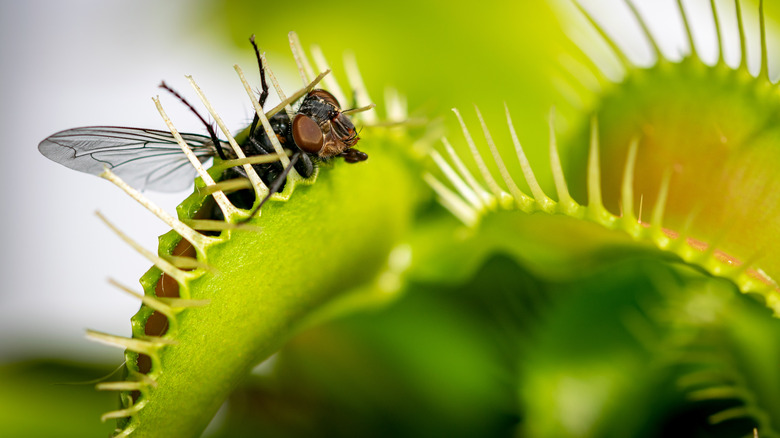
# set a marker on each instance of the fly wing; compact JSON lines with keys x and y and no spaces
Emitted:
{"x":144,"y":158}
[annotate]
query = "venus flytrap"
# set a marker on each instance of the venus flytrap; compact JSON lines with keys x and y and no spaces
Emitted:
{"x":749,"y":277}
{"x":225,"y":295}
{"x":680,"y":163}
{"x":653,"y":171}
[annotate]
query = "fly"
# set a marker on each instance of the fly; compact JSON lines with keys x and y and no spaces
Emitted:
{"x":152,"y":159}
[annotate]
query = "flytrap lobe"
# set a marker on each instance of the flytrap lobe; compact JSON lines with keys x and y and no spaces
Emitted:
{"x":289,"y":218}
{"x":680,"y":155}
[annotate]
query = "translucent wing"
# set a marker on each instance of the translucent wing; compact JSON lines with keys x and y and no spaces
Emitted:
{"x":144,"y":158}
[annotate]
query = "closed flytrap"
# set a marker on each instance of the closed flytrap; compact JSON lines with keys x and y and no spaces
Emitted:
{"x":289,"y":215}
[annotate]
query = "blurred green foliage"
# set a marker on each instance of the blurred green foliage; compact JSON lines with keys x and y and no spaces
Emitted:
{"x":48,"y":398}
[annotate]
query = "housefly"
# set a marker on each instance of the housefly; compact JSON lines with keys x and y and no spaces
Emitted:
{"x":152,"y":159}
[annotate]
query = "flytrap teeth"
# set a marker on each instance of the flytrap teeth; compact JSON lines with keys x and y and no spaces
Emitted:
{"x":452,"y":202}
{"x":486,"y":200}
{"x":158,"y":261}
{"x":355,"y":80}
{"x":304,"y":68}
{"x":596,"y":211}
{"x":230,"y":185}
{"x":693,"y":53}
{"x":486,"y":175}
{"x":330,"y":81}
{"x":127,"y":385}
{"x":151,"y":301}
{"x":123,"y":413}
{"x":197,"y":240}
{"x":468,"y":200}
{"x":279,"y":92}
{"x":566,"y":204}
{"x":539,"y":196}
{"x":513,"y":189}
{"x":469,"y":194}
{"x":396,"y":105}
{"x":123,"y":433}
{"x":146,"y":346}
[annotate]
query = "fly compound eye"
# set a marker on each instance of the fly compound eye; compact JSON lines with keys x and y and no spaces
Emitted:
{"x":326,"y":96}
{"x":307,"y":134}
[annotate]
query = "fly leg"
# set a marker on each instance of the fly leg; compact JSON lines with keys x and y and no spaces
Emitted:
{"x":352,"y":155}
{"x":209,"y":126}
{"x":264,"y":93}
{"x":277,"y":184}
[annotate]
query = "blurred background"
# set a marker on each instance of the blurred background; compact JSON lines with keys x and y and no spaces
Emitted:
{"x":80,"y":63}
